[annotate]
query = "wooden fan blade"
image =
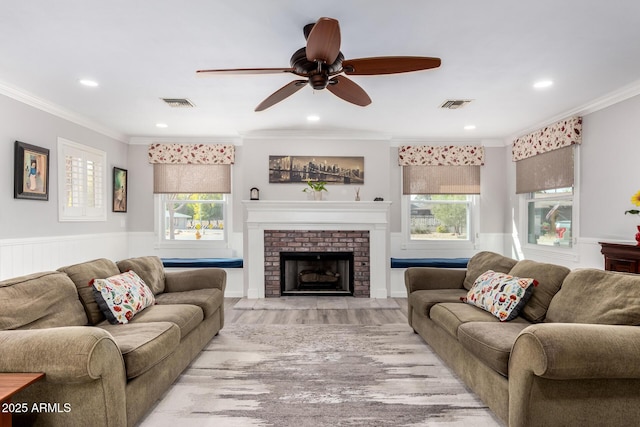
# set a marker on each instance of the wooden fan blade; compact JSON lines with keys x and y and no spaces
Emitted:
{"x":346,"y":89}
{"x":205,"y":73}
{"x":388,"y":65}
{"x":323,"y":43}
{"x":282,"y":93}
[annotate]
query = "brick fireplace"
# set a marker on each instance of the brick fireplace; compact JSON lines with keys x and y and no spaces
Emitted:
{"x":317,"y":241}
{"x":271,"y":227}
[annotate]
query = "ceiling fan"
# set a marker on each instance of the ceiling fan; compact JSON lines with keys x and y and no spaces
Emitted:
{"x":322,"y":64}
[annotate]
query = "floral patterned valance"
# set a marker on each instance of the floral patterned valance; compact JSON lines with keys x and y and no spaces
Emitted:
{"x":561,"y":134}
{"x":440,"y":155}
{"x":203,"y":154}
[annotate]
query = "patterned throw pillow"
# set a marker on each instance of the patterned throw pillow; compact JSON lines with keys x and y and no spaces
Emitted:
{"x":120,"y":297}
{"x":500,"y":294}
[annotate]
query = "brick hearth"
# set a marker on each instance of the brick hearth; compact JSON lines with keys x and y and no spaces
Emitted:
{"x":356,"y":241}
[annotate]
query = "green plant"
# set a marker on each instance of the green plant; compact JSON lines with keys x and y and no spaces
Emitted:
{"x":315,"y":186}
{"x":442,"y":229}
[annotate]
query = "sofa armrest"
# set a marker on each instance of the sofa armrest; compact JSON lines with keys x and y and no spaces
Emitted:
{"x":574,"y":374}
{"x":200,"y":278}
{"x":74,"y":354}
{"x":421,"y":278}
{"x":562,"y":351}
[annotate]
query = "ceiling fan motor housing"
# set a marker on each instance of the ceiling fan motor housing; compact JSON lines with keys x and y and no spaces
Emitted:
{"x":318,"y":72}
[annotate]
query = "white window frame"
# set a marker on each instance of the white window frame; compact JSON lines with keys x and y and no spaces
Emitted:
{"x":159,"y":226}
{"x":408,"y":243}
{"x":554,"y":252}
{"x":83,"y":212}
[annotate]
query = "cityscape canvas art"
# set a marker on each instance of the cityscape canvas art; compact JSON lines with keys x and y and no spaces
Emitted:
{"x":331,"y":169}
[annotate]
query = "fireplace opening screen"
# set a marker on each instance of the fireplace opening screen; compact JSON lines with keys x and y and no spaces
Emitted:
{"x":316,"y":273}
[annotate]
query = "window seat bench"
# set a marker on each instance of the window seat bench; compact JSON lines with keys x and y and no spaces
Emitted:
{"x":429,"y":262}
{"x":202,"y":262}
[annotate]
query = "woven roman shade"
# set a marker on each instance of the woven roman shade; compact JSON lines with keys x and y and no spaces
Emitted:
{"x":191,"y":168}
{"x":441,"y":179}
{"x":544,"y":158}
{"x":553,"y":169}
{"x":440,"y":169}
{"x":188,"y":178}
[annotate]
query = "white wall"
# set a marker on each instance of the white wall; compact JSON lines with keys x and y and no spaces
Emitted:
{"x":30,"y":229}
{"x":606,"y":181}
{"x":31,"y":237}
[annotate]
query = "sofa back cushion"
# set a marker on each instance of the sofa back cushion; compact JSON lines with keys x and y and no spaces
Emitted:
{"x":549,"y":278}
{"x":484,"y":261}
{"x":82,"y":275}
{"x":149,"y":268}
{"x":597,"y":296}
{"x":38,"y":301}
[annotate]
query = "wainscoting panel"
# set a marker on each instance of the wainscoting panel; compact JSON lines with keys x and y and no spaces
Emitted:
{"x":19,"y":257}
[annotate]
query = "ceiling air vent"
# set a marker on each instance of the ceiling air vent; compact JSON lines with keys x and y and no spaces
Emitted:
{"x":454,"y":104}
{"x":178,"y":102}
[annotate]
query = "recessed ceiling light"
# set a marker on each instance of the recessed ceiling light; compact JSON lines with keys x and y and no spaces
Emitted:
{"x":469,"y":127}
{"x":542,"y":84}
{"x":162,"y":125}
{"x":313,"y":118}
{"x":89,"y":83}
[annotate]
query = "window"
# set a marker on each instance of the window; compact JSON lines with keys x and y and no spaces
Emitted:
{"x":549,"y":214}
{"x":440,"y":217}
{"x":82,"y":182}
{"x":193,"y":217}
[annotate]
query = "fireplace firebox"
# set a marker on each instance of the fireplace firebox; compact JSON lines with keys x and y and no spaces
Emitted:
{"x":316,"y":273}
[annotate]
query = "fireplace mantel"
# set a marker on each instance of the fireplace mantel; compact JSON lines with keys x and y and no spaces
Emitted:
{"x":261,"y":215}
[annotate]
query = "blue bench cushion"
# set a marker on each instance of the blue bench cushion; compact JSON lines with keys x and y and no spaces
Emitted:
{"x":429,"y":262}
{"x":202,"y":262}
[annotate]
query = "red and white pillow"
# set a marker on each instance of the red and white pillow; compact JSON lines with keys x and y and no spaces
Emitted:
{"x":121,"y":296}
{"x":500,"y":294}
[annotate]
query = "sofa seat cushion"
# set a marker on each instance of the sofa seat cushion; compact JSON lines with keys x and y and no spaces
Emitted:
{"x":450,"y":315}
{"x":144,"y":345}
{"x":209,"y":300}
{"x":186,"y":316}
{"x":423,"y":300}
{"x":491,"y":342}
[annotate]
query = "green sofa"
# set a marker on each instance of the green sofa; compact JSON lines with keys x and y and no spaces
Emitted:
{"x":104,"y":374}
{"x":571,"y":357}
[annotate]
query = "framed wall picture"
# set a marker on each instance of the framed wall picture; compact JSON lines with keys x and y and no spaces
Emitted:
{"x":31,"y":172}
{"x":331,"y":169}
{"x":119,"y":190}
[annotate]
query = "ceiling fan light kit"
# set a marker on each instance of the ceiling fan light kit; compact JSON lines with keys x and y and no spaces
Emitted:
{"x":323,"y":66}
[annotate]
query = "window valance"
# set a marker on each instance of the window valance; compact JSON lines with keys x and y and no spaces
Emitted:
{"x":203,"y":154}
{"x":558,"y":135}
{"x":440,"y":155}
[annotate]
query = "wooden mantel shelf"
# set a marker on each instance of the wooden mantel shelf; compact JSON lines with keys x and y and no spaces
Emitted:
{"x":621,"y":257}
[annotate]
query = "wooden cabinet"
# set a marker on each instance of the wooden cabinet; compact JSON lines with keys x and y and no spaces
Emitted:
{"x":621,"y":257}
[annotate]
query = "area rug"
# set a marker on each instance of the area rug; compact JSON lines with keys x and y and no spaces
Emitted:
{"x":318,"y":375}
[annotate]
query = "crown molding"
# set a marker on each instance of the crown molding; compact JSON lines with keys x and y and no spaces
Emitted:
{"x":322,"y":134}
{"x":612,"y":98}
{"x":58,"y":111}
{"x":146,"y":140}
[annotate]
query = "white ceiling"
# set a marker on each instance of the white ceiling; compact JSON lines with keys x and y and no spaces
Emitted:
{"x":492,"y":52}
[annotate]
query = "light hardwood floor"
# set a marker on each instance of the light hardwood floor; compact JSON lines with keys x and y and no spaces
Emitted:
{"x":347,"y":316}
